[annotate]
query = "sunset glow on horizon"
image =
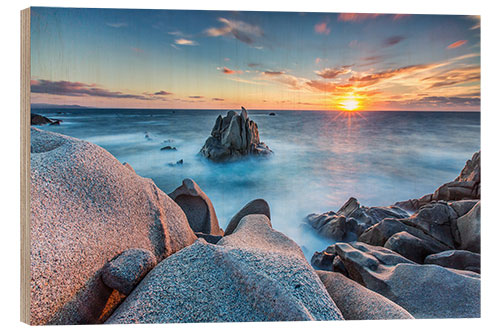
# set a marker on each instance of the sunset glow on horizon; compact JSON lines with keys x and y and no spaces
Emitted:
{"x":116,"y":58}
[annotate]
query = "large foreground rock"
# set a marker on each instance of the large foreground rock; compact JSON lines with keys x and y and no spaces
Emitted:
{"x":198,"y":208}
{"x":357,"y":302}
{"x":232,"y":137}
{"x":426,"y":291}
{"x":87,"y":208}
{"x":351,"y":220}
{"x":255,"y":274}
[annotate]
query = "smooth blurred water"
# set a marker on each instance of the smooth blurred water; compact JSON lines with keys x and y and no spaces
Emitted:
{"x":320,"y":158}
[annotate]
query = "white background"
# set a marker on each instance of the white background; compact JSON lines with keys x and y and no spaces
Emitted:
{"x":10,"y":143}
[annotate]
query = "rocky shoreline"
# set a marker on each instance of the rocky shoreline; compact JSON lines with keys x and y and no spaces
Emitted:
{"x":423,"y":254}
{"x":108,"y":246}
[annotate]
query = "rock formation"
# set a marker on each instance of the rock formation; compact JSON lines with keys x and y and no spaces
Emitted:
{"x":357,"y":302}
{"x":257,"y":206}
{"x":458,"y":259}
{"x":37,"y":119}
{"x":425,"y":291}
{"x":198,"y":208}
{"x":351,"y":219}
{"x":232,"y":137}
{"x":86,"y":209}
{"x":254,"y":274}
{"x":466,"y":186}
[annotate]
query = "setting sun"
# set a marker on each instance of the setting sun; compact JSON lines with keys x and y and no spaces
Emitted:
{"x":349,"y":103}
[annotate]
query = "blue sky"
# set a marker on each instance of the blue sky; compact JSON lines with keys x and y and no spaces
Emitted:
{"x":266,"y":60}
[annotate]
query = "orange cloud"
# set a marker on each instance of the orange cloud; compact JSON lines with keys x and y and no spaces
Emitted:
{"x":322,"y":28}
{"x":371,"y":79}
{"x":226,"y":70}
{"x":356,"y":16}
{"x":456,"y":44}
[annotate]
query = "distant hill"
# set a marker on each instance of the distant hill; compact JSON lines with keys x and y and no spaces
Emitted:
{"x":56,"y":106}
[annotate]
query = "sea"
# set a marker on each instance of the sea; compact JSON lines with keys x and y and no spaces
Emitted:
{"x":320,"y":160}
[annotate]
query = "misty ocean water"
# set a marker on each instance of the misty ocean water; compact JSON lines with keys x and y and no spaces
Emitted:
{"x":320,"y":160}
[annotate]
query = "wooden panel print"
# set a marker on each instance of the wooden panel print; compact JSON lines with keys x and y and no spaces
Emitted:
{"x":221,"y":166}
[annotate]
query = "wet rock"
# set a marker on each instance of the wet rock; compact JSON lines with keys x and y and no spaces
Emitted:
{"x":257,"y":206}
{"x":339,"y":267}
{"x":462,"y":207}
{"x":37,"y":119}
{"x":233,"y":137}
{"x":170,"y":148}
{"x":435,"y":219}
{"x":178,"y":163}
{"x":125,"y":271}
{"x":272,"y":113}
{"x":254,"y":274}
{"x":322,"y":260}
{"x":351,"y":220}
{"x":469,"y":229}
{"x":357,"y":302}
{"x":425,"y":291}
{"x":198,"y":208}
{"x":87,"y":208}
{"x":458,"y":259}
{"x":411,"y":247}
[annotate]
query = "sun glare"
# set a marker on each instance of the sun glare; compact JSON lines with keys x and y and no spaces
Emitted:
{"x":349,"y":103}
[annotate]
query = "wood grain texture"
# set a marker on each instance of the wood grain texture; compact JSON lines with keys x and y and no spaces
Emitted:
{"x":25,"y":164}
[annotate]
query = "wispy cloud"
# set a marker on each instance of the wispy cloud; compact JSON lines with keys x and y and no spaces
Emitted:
{"x":281,"y":77}
{"x":454,"y":76}
{"x":274,"y":73}
{"x":184,"y":41}
{"x":162,"y":93}
{"x":67,"y":88}
{"x":253,"y":65}
{"x":393,"y":40}
{"x":216,"y":99}
{"x":116,"y":24}
{"x":322,"y":28}
{"x":370,"y":79}
{"x":331,"y":73}
{"x":242,"y":31}
{"x":477,"y":22}
{"x":456,"y":44}
{"x":196,"y":97}
{"x":226,"y":70}
{"x":345,"y":17}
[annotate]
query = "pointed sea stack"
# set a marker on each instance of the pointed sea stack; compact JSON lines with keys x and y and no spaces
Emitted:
{"x":232,"y":137}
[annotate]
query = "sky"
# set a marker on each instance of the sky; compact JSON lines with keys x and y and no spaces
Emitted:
{"x":117,"y":58}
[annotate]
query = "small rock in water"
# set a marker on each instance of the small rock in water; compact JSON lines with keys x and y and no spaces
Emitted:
{"x":272,"y":114}
{"x":169,"y":148}
{"x":179,"y":162}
